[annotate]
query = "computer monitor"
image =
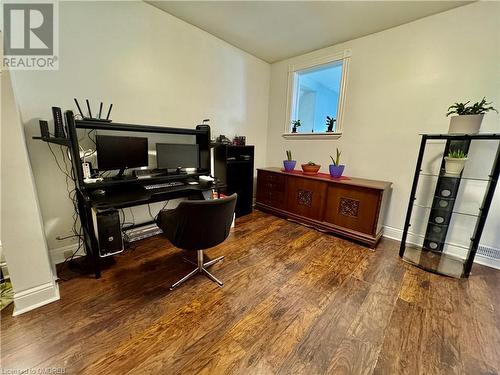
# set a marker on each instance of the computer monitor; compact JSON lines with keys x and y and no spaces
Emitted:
{"x":177,"y":155}
{"x":115,"y":152}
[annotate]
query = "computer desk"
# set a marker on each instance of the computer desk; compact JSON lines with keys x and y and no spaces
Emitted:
{"x":119,"y":193}
{"x":123,"y":195}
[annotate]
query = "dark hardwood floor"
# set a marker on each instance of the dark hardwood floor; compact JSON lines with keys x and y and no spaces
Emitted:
{"x":295,"y":301}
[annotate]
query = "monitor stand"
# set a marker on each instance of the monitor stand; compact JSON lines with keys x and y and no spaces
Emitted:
{"x":179,"y":171}
{"x":121,"y":177}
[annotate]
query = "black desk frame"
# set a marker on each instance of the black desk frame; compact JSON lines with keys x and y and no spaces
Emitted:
{"x":86,"y":201}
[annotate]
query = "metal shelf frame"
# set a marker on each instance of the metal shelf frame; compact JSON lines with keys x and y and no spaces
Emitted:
{"x":483,"y":210}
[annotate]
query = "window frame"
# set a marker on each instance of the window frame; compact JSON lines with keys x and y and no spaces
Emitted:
{"x":293,"y":70}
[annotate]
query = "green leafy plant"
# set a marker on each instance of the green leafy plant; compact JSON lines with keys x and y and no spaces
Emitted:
{"x":289,"y":155}
{"x":311,"y":163}
{"x":330,"y":123}
{"x":457,"y":154}
{"x":336,"y":161}
{"x":476,"y":109}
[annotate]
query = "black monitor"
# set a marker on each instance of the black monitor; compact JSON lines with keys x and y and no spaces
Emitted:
{"x":177,"y":156}
{"x":115,"y":152}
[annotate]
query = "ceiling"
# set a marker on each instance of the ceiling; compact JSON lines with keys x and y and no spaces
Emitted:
{"x":276,"y":30}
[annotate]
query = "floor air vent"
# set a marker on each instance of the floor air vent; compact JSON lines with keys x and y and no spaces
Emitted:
{"x":489,"y":252}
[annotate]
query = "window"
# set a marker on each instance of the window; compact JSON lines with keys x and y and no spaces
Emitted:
{"x":316,"y":97}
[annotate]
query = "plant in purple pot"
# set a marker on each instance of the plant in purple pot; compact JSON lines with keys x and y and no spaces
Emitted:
{"x":289,"y":164}
{"x":336,"y":169}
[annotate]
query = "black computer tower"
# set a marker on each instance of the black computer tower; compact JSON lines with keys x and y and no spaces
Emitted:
{"x":108,"y":230}
{"x":234,"y":166}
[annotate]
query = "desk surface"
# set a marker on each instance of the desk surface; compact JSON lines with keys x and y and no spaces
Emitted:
{"x":135,"y":195}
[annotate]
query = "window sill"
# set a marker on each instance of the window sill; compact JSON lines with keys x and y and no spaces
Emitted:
{"x":326,"y":135}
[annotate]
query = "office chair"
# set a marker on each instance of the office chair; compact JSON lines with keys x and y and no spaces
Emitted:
{"x":198,"y":225}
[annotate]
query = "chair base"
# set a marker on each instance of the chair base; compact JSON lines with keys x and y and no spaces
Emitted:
{"x":200,"y":268}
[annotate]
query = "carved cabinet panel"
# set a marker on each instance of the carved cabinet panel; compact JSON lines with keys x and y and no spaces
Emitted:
{"x":353,"y":207}
{"x":306,"y":197}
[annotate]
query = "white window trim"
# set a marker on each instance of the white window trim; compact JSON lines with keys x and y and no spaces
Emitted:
{"x":345,"y":57}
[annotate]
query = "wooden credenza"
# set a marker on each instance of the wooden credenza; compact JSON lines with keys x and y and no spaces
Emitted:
{"x":352,"y":207}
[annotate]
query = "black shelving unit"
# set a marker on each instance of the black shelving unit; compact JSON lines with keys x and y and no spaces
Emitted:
{"x":430,"y":255}
{"x":234,"y":167}
{"x":57,"y":141}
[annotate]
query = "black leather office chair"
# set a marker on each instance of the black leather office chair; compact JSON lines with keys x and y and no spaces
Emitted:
{"x":198,"y":225}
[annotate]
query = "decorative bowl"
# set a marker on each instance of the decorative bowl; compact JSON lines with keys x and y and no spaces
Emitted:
{"x":309,"y":169}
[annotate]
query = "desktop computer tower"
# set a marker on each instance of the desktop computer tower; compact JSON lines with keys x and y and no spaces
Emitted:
{"x":234,"y":166}
{"x":108,"y":231}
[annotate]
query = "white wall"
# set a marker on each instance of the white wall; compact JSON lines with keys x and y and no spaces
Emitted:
{"x":401,"y":82}
{"x":23,"y":240}
{"x":156,"y":69}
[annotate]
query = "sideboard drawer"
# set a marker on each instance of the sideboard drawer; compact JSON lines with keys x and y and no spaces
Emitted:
{"x":269,"y":177}
{"x":271,"y":189}
{"x":273,"y":199}
{"x":274,"y":186}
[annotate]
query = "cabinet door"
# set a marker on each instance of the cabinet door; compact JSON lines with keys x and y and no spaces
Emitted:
{"x":306,"y":197}
{"x":239,"y":179}
{"x":353,"y":207}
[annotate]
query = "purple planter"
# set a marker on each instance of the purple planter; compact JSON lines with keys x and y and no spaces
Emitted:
{"x":336,"y":170}
{"x":289,"y":165}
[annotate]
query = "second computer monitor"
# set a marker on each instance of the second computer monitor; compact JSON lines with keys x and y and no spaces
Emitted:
{"x":177,"y":155}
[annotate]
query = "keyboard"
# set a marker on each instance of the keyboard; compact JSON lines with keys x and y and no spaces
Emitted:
{"x":163,"y":185}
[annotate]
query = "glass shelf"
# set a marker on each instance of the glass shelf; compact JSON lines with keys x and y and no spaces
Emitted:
{"x":440,"y":263}
{"x":437,"y":208}
{"x":452,"y":176}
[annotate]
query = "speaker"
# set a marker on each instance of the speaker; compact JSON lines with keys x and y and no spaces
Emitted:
{"x":108,"y":229}
{"x":58,"y":123}
{"x":44,"y":129}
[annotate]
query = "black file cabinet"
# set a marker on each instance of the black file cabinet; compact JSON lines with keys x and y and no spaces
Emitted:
{"x":234,"y":167}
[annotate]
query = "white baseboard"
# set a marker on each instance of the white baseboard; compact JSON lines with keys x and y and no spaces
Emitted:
{"x":57,"y":254}
{"x":32,"y":298}
{"x":452,"y":249}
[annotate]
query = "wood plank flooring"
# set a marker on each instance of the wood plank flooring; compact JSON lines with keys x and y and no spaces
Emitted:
{"x":295,"y":301}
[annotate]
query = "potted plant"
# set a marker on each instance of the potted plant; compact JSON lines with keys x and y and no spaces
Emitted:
{"x":310,"y":168}
{"x":336,"y":169}
{"x":289,"y":164}
{"x":330,"y":123}
{"x":469,"y":117}
{"x":455,"y":162}
{"x":295,"y":125}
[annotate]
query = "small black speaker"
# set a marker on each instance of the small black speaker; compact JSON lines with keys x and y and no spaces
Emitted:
{"x":109,"y":232}
{"x":58,"y":123}
{"x":44,"y":129}
{"x":204,"y":126}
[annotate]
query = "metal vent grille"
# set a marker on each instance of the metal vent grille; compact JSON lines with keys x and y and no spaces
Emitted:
{"x":489,"y":252}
